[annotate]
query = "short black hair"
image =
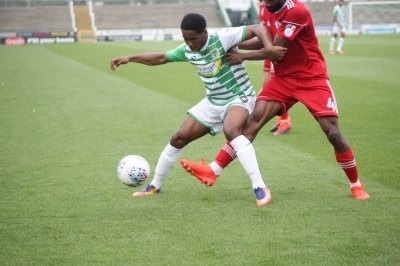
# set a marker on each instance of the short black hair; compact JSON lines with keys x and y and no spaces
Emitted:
{"x":194,"y":21}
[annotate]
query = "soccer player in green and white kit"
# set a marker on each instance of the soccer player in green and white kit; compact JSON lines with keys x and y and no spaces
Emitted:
{"x":229,"y":97}
{"x":339,"y":27}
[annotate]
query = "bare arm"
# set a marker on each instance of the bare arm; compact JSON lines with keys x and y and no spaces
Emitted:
{"x":252,"y":44}
{"x":276,"y":53}
{"x":261,"y":33}
{"x":151,"y":59}
{"x":280,"y":41}
{"x":271,"y":50}
{"x":236,"y":57}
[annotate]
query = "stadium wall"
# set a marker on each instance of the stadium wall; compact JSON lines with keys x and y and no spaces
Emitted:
{"x":321,"y":10}
{"x":21,"y":38}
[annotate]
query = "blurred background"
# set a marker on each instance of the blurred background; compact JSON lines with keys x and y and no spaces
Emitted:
{"x":62,"y":21}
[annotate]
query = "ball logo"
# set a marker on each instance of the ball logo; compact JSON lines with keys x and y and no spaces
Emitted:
{"x":214,"y":53}
{"x":289,"y":30}
{"x":133,"y":170}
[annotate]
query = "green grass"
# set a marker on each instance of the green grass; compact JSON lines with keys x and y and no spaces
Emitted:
{"x":66,"y":120}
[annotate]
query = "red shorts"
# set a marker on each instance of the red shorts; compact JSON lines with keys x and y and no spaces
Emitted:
{"x":316,"y":94}
{"x":268,"y":66}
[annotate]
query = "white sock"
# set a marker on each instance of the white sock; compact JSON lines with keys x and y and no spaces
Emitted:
{"x":167,"y":160}
{"x":247,"y":157}
{"x":340,"y":44}
{"x":332,"y":43}
{"x":216,"y":168}
{"x":356,"y":184}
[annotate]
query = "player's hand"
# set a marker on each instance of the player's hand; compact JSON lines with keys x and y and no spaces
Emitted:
{"x":116,"y":62}
{"x":277,"y":53}
{"x":233,"y":57}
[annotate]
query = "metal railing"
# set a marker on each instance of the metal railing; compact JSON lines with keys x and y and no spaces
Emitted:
{"x":33,"y":3}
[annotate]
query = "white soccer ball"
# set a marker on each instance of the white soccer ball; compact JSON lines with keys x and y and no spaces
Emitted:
{"x":133,"y":170}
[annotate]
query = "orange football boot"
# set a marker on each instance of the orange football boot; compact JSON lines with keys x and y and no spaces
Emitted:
{"x":284,"y":127}
{"x":276,"y":125}
{"x":359,"y":192}
{"x":202,"y":172}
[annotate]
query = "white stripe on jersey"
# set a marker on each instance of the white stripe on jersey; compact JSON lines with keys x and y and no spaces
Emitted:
{"x":223,"y":82}
{"x":292,"y":23}
{"x":289,"y":4}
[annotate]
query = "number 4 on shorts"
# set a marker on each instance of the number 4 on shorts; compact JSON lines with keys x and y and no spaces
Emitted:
{"x":332,"y":104}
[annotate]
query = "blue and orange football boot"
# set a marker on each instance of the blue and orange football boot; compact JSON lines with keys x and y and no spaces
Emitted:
{"x":263,"y":196}
{"x":148,"y":191}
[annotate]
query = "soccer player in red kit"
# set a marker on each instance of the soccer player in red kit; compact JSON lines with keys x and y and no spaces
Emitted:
{"x":283,"y":122}
{"x":301,"y":76}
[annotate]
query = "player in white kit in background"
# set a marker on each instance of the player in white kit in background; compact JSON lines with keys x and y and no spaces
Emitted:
{"x":339,"y":28}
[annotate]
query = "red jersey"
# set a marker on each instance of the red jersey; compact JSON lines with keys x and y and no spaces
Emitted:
{"x":261,"y":11}
{"x":268,"y":66}
{"x":303,"y":59}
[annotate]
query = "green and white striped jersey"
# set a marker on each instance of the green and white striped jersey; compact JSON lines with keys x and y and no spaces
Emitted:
{"x":223,"y":81}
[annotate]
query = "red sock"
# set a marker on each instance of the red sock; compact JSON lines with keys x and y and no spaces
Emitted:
{"x":347,"y":161}
{"x":285,"y":116}
{"x":226,"y":155}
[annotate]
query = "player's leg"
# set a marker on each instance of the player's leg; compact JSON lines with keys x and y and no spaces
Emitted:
{"x":208,"y":173}
{"x":339,"y":49}
{"x":235,"y":119}
{"x":234,"y":122}
{"x":318,"y":97}
{"x":283,"y":123}
{"x":269,"y":71}
{"x":235,"y":115}
{"x":264,"y":111}
{"x":190,"y":130}
{"x":332,"y":41}
{"x":344,"y":154}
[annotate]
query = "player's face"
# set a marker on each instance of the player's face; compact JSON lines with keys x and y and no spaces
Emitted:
{"x":195,"y":40}
{"x":274,"y":5}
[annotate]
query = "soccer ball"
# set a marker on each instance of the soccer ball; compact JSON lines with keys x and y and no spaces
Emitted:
{"x":133,"y":170}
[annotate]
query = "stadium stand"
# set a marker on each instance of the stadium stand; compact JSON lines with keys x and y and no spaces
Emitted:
{"x":321,"y":12}
{"x":82,"y":18}
{"x":54,"y":15}
{"x":163,"y":15}
{"x":83,"y":22}
{"x":28,"y":19}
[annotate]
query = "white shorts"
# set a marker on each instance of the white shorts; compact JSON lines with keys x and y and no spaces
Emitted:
{"x":212,"y":116}
{"x":337,"y":30}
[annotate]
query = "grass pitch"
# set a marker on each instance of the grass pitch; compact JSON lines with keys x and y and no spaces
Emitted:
{"x":66,"y":120}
